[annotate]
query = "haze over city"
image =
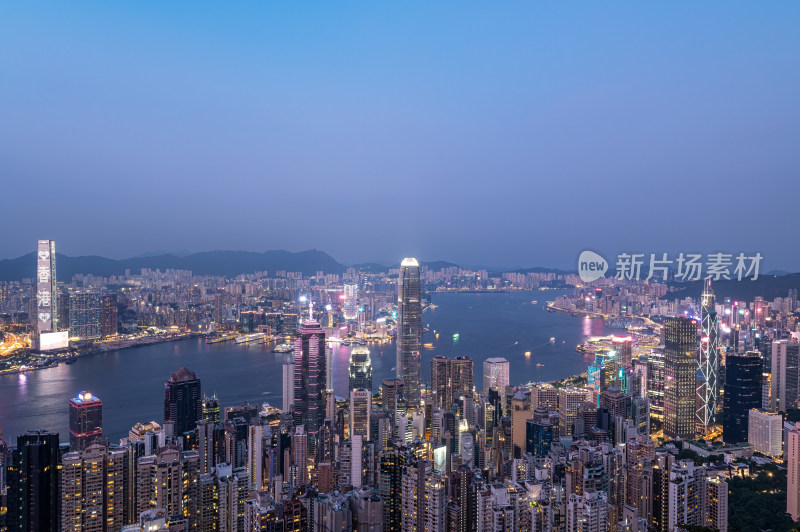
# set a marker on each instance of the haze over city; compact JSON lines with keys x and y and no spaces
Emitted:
{"x":502,"y":136}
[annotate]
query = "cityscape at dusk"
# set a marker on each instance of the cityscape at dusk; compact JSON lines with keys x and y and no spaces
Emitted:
{"x":421,"y":267}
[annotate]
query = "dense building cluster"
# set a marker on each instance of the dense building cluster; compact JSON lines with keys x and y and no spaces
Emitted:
{"x":647,"y":439}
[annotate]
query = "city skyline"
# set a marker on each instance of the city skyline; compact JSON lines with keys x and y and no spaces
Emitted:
{"x":523,"y":115}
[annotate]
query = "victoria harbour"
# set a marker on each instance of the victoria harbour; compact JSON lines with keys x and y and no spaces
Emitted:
{"x":131,"y":381}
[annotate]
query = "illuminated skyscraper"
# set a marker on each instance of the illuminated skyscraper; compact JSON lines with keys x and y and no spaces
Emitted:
{"x":360,"y":369}
{"x":451,"y":379}
{"x":288,"y":386}
{"x":360,"y":409}
{"x":310,"y":376}
{"x":46,"y":293}
{"x":108,"y":315}
{"x":85,"y":420}
{"x":92,"y":488}
{"x":350,"y":301}
{"x":211,"y":409}
{"x":84,"y":315}
{"x":183,"y":404}
{"x":495,"y":374}
{"x":708,"y":389}
{"x":680,"y":377}
{"x":409,"y":328}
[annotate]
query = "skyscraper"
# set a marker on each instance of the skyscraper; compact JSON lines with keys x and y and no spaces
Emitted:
{"x":680,"y":377}
{"x":765,"y":432}
{"x":183,"y":403}
{"x":708,"y":392}
{"x":360,"y":409}
{"x":92,"y":488}
{"x":409,"y":328}
{"x":288,"y":386}
{"x":495,"y":374}
{"x":792,"y":473}
{"x":360,"y":369}
{"x":310,"y":376}
{"x":742,"y":392}
{"x":84,"y":315}
{"x":85,"y":420}
{"x":108,"y":315}
{"x":46,"y":293}
{"x":33,"y":483}
{"x":785,"y":385}
{"x":211,"y":409}
{"x":451,"y":378}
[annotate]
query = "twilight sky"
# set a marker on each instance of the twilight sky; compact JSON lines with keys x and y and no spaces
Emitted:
{"x":506,"y":135}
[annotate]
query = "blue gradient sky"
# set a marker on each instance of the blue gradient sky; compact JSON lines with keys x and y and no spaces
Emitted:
{"x":508,"y":135}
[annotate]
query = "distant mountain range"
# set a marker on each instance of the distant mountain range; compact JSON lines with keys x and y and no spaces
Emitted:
{"x":232,"y":263}
{"x":226,"y":263}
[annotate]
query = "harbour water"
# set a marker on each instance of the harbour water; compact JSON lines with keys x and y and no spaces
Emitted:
{"x":131,"y":382}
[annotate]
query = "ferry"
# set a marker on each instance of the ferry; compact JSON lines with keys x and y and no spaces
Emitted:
{"x":247,"y":338}
{"x":282,"y":348}
{"x":527,"y":354}
{"x":428,"y":346}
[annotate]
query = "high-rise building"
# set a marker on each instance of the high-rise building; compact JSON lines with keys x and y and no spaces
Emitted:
{"x":495,"y":374}
{"x":84,"y":315}
{"x":211,"y":409}
{"x":93,"y":488}
{"x":587,"y":512}
{"x":46,"y":293}
{"x":360,"y":369}
{"x":33,"y":500}
{"x":793,"y":473}
{"x":360,"y":409}
{"x":409,"y":329}
{"x":255,"y":457}
{"x":108,"y":315}
{"x":310,"y":379}
{"x":390,"y":488}
{"x":742,"y":392}
{"x":680,"y":377}
{"x":765,"y":431}
{"x":451,"y":379}
{"x":709,"y":364}
{"x":288,"y":386}
{"x":85,"y":420}
{"x":716,"y":504}
{"x":785,"y":386}
{"x":570,"y":400}
{"x":350,"y":306}
{"x":183,"y":404}
{"x":623,"y":345}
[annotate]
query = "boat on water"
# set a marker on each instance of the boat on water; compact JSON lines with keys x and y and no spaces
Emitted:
{"x":456,"y":336}
{"x":539,"y":365}
{"x":282,"y":348}
{"x":552,"y":339}
{"x":527,"y":354}
{"x":534,"y":302}
{"x":71,"y":360}
{"x":428,"y":346}
{"x":247,"y":338}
